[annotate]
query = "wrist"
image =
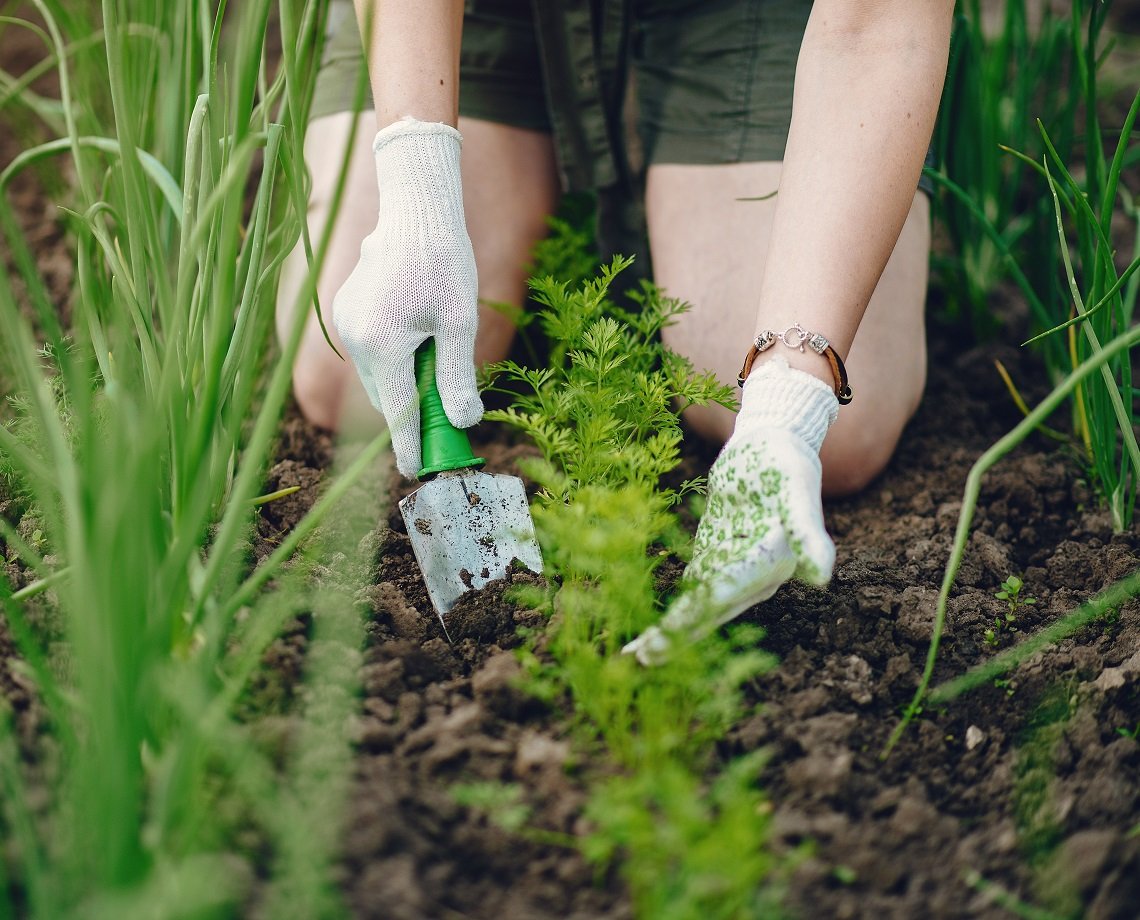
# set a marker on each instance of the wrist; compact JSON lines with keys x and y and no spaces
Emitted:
{"x":807,"y":361}
{"x":418,"y":173}
{"x":779,"y":396}
{"x":432,"y":132}
{"x":798,"y":339}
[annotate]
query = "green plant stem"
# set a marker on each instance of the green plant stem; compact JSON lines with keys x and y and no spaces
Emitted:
{"x":970,"y":499}
{"x":1090,"y":611}
{"x":40,"y":586}
{"x":274,"y":496}
{"x":305,"y":526}
{"x":151,"y":165}
{"x":59,"y":47}
{"x":1105,"y":299}
{"x":996,"y":237}
{"x":1123,"y":416}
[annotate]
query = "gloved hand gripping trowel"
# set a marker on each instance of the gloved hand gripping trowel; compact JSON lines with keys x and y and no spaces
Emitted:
{"x":466,"y":526}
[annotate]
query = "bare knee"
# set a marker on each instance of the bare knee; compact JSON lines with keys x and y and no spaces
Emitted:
{"x":319,"y":376}
{"x":861,"y":443}
{"x":319,"y":388}
{"x":713,"y":423}
{"x":853,"y":458}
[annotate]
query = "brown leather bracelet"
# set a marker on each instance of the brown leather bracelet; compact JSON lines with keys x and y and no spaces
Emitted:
{"x":813,"y":340}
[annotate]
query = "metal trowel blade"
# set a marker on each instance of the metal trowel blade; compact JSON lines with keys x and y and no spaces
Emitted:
{"x":466,"y":528}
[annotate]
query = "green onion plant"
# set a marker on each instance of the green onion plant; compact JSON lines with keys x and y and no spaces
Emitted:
{"x":1047,"y":227}
{"x":1100,"y":279}
{"x":1095,"y":608}
{"x":1001,"y":78}
{"x":145,"y":424}
{"x":1094,"y":278}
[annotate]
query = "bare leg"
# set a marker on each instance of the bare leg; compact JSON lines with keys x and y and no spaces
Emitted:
{"x":709,"y":248}
{"x":510,"y":185}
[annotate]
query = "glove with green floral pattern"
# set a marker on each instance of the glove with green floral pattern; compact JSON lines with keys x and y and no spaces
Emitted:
{"x":764,"y":521}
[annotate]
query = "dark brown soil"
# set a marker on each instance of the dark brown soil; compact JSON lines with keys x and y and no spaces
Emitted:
{"x":435,"y":715}
{"x":1027,"y":785}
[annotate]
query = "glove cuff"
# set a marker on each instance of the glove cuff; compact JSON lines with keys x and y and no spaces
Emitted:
{"x":417,"y":167}
{"x":413,"y":127}
{"x":777,"y":395}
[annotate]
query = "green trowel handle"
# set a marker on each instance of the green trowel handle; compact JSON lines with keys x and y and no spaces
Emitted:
{"x":445,"y":447}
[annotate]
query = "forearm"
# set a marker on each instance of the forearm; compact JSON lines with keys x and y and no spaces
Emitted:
{"x":413,"y":57}
{"x":868,"y":82}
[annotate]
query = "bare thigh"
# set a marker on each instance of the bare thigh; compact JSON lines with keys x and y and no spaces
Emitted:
{"x":510,"y":186}
{"x":709,"y":248}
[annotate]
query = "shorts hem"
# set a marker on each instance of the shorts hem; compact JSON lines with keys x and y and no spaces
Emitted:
{"x":715,"y":149}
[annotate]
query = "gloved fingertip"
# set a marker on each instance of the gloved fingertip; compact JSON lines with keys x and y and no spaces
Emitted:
{"x":399,"y":404}
{"x":455,"y":379}
{"x":406,"y":446}
{"x":651,"y":648}
{"x":462,"y":409}
{"x":407,"y":468}
{"x":817,"y":560}
{"x":408,"y":461}
{"x":685,"y":609}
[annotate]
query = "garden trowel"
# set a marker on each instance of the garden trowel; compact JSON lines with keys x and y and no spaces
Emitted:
{"x":466,"y":526}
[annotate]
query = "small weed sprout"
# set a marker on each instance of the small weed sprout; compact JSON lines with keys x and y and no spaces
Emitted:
{"x":500,"y":802}
{"x":1010,"y":593}
{"x":503,"y":806}
{"x":1007,"y":685}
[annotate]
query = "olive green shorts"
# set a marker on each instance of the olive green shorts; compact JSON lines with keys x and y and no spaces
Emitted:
{"x":699,"y":81}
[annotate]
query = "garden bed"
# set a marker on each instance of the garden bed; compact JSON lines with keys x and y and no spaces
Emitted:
{"x":1019,"y":798}
{"x":1030,"y":784}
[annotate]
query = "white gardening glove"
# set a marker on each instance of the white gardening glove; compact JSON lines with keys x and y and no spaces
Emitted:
{"x":415,"y":280}
{"x":764,"y":519}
